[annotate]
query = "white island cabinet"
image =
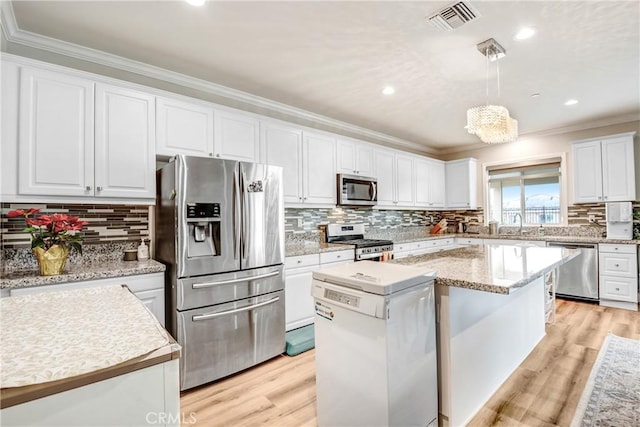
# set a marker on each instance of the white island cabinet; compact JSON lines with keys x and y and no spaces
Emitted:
{"x":491,"y":314}
{"x":126,"y":372}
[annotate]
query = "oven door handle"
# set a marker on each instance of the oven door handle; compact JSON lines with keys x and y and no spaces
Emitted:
{"x":369,"y":256}
{"x":232,"y":281}
{"x":234,"y":311}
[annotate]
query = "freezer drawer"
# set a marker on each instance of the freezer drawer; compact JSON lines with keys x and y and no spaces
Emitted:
{"x":224,"y":339}
{"x":214,"y":289}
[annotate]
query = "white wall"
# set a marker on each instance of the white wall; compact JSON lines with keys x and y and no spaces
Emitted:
{"x":527,"y":147}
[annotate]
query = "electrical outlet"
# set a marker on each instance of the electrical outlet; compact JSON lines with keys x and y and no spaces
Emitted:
{"x":592,"y":218}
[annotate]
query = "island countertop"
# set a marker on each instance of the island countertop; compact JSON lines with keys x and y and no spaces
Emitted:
{"x":500,"y":269}
{"x":57,"y":341}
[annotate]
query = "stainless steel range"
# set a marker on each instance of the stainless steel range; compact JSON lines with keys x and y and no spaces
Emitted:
{"x":220,"y":230}
{"x":353,"y":234}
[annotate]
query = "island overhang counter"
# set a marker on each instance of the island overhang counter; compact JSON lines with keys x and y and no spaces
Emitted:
{"x":490,"y":302}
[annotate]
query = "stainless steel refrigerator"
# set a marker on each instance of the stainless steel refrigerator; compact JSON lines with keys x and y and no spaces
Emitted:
{"x":220,"y":231}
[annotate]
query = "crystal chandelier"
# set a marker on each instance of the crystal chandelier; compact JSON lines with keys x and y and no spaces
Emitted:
{"x":492,"y":123}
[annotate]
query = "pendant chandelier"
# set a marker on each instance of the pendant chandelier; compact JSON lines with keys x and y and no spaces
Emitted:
{"x":492,"y":123}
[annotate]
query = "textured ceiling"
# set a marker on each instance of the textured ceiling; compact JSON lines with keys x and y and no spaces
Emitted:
{"x":333,"y":58}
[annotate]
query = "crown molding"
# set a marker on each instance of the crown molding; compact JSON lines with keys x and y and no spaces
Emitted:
{"x":592,"y":124}
{"x":15,"y":35}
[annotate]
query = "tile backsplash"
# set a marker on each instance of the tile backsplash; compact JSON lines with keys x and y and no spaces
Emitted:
{"x":107,"y":223}
{"x":307,"y":220}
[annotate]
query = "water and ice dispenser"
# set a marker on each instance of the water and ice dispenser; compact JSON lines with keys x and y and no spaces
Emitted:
{"x":203,"y":221}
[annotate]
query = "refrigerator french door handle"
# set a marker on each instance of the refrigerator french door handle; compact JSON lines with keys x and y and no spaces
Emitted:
{"x":236,"y":212}
{"x":234,"y":311}
{"x":232,"y":281}
{"x":243,"y":230}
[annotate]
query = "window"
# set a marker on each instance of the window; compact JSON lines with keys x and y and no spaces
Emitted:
{"x":532,"y":191}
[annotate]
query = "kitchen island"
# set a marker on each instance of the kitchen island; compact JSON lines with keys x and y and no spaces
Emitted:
{"x":86,"y":356}
{"x":491,"y":314}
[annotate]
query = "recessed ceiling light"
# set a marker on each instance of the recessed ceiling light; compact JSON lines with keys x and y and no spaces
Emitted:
{"x":388,"y":90}
{"x":195,"y":2}
{"x":571,"y":102}
{"x":524,"y":33}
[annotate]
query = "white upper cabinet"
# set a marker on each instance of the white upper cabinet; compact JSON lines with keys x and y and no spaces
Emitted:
{"x":430,"y":186}
{"x":385,"y":172}
{"x":282,"y":146}
{"x":308,"y":160}
{"x":64,"y":152}
{"x":461,"y":184}
{"x":604,"y":169}
{"x":184,"y":128}
{"x":319,"y":183}
{"x":56,"y":143}
{"x":125,"y":161}
{"x":354,"y":158}
{"x":394,"y":171}
{"x":405,"y":184}
{"x":236,"y":136}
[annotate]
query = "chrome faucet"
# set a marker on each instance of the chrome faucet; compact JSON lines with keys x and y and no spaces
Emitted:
{"x":519,"y":216}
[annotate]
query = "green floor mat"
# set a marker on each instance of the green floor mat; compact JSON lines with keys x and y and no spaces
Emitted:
{"x":300,"y":340}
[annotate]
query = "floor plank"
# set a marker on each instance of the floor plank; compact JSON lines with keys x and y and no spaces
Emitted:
{"x":543,"y":391}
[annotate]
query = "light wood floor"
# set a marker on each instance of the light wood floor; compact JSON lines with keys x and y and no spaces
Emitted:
{"x":543,"y":391}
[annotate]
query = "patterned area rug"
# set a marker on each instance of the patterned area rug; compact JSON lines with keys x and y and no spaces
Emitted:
{"x":611,"y":396}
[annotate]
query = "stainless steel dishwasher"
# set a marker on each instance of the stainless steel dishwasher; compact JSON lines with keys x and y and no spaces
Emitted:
{"x":578,"y":278}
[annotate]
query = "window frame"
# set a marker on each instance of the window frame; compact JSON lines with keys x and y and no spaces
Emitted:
{"x":526,"y":162}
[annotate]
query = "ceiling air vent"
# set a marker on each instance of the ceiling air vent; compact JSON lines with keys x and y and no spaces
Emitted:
{"x":454,"y":16}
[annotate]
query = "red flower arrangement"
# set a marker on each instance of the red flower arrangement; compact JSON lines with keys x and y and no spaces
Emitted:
{"x":49,"y":230}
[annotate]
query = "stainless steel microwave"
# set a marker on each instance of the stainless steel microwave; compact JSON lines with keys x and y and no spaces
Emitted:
{"x":356,"y":190}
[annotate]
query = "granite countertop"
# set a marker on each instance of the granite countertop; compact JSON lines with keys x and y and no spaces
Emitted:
{"x":498,"y":269}
{"x":90,"y":340}
{"x":313,"y":247}
{"x":80,"y":272}
{"x":545,"y":238}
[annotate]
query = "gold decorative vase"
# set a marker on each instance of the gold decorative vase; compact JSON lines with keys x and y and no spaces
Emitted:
{"x":52,"y":260}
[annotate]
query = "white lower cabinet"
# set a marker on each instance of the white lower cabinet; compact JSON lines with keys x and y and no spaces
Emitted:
{"x":618,"y":265}
{"x":403,"y":250}
{"x":299,"y":309}
{"x":469,"y":241}
{"x":149,"y":288}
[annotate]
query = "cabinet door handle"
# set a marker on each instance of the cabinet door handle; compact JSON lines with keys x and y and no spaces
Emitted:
{"x":88,"y":188}
{"x":218,"y":155}
{"x":299,"y":261}
{"x":304,"y":198}
{"x":617,"y":289}
{"x":606,"y":197}
{"x":99,"y":188}
{"x":599,"y":198}
{"x":210,"y":154}
{"x":617,"y":265}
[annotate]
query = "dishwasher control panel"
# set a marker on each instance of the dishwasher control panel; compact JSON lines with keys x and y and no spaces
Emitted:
{"x":342,"y":298}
